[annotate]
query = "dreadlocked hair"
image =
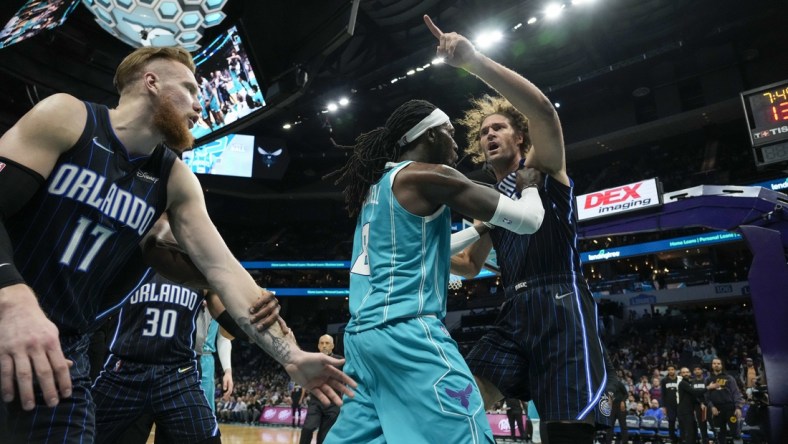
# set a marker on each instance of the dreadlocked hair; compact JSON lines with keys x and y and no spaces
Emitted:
{"x":484,"y":107}
{"x":373,"y":149}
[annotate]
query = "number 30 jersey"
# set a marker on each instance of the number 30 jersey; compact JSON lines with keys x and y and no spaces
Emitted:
{"x":157,"y":322}
{"x":77,"y":232}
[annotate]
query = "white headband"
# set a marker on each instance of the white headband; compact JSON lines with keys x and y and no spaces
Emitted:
{"x":436,"y":118}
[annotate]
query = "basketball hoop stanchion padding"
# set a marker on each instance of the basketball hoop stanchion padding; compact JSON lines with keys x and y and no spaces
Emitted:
{"x":761,"y":216}
{"x":769,"y":296}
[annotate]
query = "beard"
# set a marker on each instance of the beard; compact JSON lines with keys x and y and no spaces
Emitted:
{"x":168,"y":120}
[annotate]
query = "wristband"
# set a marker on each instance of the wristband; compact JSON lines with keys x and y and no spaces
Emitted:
{"x":9,"y":275}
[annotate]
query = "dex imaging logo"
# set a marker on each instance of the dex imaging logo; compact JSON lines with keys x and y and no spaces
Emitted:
{"x":269,"y":158}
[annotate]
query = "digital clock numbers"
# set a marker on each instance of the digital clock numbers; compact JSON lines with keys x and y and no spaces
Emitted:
{"x":766,"y":110}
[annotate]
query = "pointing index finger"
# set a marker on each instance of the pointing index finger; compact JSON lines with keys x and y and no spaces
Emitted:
{"x":433,"y":29}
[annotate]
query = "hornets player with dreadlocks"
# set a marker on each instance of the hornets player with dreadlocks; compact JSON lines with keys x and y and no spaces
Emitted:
{"x":399,"y":184}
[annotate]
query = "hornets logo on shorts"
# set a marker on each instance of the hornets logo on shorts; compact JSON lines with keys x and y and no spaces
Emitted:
{"x":606,"y":404}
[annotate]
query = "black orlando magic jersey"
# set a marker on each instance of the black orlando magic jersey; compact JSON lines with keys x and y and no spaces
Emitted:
{"x":552,"y":250}
{"x":77,"y":232}
{"x":156,"y":324}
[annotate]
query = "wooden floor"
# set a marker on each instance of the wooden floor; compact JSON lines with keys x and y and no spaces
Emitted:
{"x":243,"y":434}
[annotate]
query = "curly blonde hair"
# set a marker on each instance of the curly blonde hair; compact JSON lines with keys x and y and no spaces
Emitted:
{"x":481,"y":109}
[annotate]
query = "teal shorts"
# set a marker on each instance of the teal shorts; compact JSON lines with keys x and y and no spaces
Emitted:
{"x":413,"y":387}
{"x":206,"y":379}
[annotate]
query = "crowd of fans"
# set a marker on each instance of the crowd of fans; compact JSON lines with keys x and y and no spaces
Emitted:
{"x":640,"y":352}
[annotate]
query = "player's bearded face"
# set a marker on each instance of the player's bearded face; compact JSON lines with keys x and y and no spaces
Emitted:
{"x":172,"y":124}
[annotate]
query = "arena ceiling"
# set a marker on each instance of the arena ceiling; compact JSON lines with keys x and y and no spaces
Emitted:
{"x":626,"y":72}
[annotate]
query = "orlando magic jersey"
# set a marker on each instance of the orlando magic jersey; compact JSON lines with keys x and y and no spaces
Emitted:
{"x":510,"y":247}
{"x":400,"y":263}
{"x":552,"y":250}
{"x":79,"y":229}
{"x":156,"y":324}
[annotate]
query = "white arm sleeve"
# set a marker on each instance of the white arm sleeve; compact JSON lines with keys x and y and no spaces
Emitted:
{"x":522,"y":216}
{"x":462,"y":239}
{"x":224,"y":348}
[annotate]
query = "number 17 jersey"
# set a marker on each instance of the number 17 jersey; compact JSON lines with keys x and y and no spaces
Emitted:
{"x":77,"y":232}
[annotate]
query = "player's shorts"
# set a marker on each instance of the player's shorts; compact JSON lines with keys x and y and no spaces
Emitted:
{"x":545,"y":347}
{"x":414,"y":387}
{"x":172,"y":394}
{"x":72,"y":420}
{"x":207,"y":371}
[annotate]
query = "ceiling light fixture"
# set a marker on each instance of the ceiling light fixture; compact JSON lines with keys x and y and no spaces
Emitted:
{"x":157,"y":22}
{"x":553,"y":10}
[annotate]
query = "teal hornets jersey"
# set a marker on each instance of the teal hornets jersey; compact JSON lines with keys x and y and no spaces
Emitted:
{"x":400,"y":264}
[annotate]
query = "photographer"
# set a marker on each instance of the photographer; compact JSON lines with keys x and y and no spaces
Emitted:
{"x":757,"y":415}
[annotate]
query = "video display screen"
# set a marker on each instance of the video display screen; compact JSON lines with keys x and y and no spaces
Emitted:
{"x":34,"y":17}
{"x":240,"y":155}
{"x":229,"y":89}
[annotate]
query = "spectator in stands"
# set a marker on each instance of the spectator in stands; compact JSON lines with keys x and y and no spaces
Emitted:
{"x":655,"y":411}
{"x":641,"y":409}
{"x":655,"y":394}
{"x":669,"y":399}
{"x":239,"y":411}
{"x":748,"y":374}
{"x":618,"y":411}
{"x":225,"y":414}
{"x":253,"y":409}
{"x":642,"y":385}
{"x":631,"y":404}
{"x":514,"y":413}
{"x":689,"y":398}
{"x":725,"y":401}
{"x":698,"y":382}
{"x":296,"y":399}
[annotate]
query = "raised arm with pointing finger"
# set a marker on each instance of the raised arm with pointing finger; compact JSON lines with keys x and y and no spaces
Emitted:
{"x":545,"y":344}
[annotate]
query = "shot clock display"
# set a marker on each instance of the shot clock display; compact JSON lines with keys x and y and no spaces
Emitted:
{"x":766,"y":110}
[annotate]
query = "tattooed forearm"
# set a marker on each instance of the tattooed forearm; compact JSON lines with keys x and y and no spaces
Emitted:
{"x":280,"y":349}
{"x":276,"y":346}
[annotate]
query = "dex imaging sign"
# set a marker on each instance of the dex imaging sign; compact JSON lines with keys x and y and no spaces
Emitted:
{"x":630,"y":197}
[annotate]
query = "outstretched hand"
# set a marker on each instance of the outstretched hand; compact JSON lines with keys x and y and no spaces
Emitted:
{"x":318,"y":373}
{"x":455,"y":49}
{"x":30,"y":352}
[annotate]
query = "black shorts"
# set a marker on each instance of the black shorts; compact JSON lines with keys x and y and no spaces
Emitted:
{"x":545,"y":347}
{"x":72,"y":420}
{"x":170,"y":393}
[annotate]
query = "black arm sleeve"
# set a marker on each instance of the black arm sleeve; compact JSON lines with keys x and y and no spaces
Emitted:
{"x":17,"y":185}
{"x":227,"y":322}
